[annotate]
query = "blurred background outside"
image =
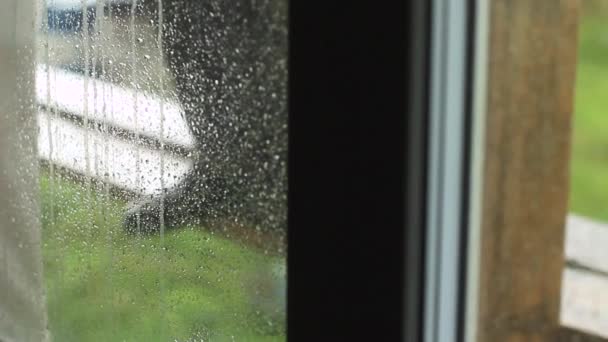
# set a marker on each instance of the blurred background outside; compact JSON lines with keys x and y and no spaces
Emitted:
{"x":102,"y":284}
{"x":584,"y":302}
{"x":589,"y":167}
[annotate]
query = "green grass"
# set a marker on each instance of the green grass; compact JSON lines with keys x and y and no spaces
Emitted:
{"x":589,"y":167}
{"x":103,"y":285}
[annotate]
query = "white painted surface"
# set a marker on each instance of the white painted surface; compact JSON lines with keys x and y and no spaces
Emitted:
{"x":587,"y":242}
{"x":107,"y":155}
{"x":585,"y":302}
{"x":126,"y":164}
{"x":107,"y":102}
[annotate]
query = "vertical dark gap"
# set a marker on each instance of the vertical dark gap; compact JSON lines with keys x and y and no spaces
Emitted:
{"x":468,"y":93}
{"x":350,"y":92}
{"x":417,"y":170}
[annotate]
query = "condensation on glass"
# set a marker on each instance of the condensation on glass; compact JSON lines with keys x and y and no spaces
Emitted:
{"x":162,"y":140}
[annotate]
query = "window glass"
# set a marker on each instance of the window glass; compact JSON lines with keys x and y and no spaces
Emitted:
{"x":162,"y":143}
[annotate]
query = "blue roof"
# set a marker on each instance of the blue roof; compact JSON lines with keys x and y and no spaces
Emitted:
{"x":73,"y":4}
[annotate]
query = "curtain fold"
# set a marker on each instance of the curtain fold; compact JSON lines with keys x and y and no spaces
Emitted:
{"x":22,"y":303}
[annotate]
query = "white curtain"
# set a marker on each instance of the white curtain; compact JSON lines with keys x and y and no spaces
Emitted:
{"x":22,"y":304}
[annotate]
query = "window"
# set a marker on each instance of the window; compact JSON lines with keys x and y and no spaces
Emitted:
{"x":154,"y":171}
{"x":162,"y":138}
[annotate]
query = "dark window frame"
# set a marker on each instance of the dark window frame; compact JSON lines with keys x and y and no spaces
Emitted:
{"x":353,"y":156}
{"x":358,"y":152}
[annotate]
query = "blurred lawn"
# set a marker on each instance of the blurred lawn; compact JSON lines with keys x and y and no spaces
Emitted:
{"x":589,"y":168}
{"x":105,"y":286}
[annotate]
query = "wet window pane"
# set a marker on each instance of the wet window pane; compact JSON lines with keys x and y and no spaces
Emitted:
{"x":163,"y":142}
